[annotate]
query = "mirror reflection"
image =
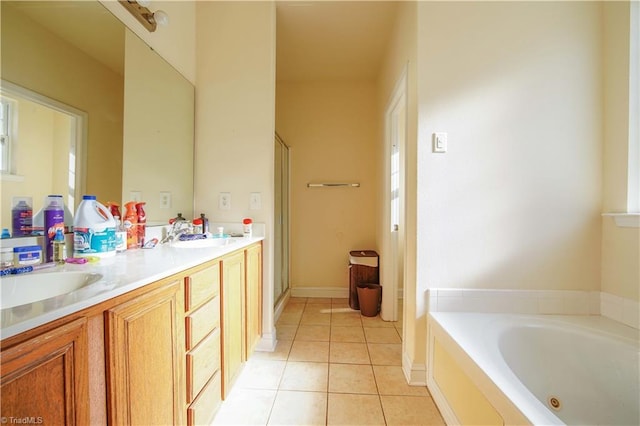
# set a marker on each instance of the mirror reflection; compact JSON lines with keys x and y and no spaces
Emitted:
{"x":115,"y":119}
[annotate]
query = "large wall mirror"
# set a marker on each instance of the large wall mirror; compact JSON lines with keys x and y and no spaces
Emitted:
{"x":92,"y":110}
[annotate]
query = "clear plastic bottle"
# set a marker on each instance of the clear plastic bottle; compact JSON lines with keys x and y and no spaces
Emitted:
{"x":59,"y":247}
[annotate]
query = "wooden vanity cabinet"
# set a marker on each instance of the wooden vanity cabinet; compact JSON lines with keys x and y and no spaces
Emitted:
{"x":253,"y":303}
{"x":165,"y":353}
{"x":145,"y":341}
{"x":202,"y":343}
{"x":44,"y":380}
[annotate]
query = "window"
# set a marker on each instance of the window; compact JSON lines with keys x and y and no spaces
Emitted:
{"x":6,"y":116}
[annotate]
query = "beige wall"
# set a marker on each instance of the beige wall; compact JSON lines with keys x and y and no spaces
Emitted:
{"x":620,"y":246}
{"x":97,"y":90}
{"x":332,"y":129}
{"x":516,"y":200}
{"x":235,"y":117}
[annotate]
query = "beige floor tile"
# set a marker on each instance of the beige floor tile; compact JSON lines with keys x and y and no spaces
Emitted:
{"x":281,"y":352}
{"x":385,"y":353}
{"x":382,"y":335}
{"x":340,"y":301}
{"x":286,"y":332}
{"x":309,"y":351}
{"x":246,"y":407}
{"x":391,"y":381}
{"x":348,"y":409}
{"x":318,"y":308}
{"x":313,"y":333}
{"x":299,"y":408}
{"x":349,"y":353}
{"x":314,"y":300}
{"x":410,"y":410}
{"x":315,"y":318}
{"x":289,"y":318}
{"x":350,"y":319}
{"x":376,"y":322}
{"x":349,"y":378}
{"x":296,"y":300}
{"x":261,"y":374}
{"x":294,"y":308}
{"x":341,"y":333}
{"x":305,"y":376}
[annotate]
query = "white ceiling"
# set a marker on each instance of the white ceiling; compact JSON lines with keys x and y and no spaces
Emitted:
{"x":332,"y":40}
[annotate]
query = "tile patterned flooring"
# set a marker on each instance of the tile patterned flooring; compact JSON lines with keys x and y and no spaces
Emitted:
{"x":331,"y":366}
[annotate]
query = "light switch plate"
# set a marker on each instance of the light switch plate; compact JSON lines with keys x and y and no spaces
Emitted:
{"x":440,"y":142}
{"x":165,"y":200}
{"x":135,"y":196}
{"x":224,"y":201}
{"x":255,"y":201}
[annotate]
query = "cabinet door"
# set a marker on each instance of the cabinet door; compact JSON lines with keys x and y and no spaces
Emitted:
{"x":145,"y":382}
{"x":254,"y":297}
{"x":233,"y":282}
{"x":45,"y":379}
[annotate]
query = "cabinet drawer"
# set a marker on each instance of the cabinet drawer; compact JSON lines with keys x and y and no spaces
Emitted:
{"x":206,"y":404}
{"x":202,"y":321}
{"x":201,"y":286}
{"x":202,"y":362}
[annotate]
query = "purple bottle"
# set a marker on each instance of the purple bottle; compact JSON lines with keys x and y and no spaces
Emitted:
{"x":53,"y":220}
{"x":22,"y":217}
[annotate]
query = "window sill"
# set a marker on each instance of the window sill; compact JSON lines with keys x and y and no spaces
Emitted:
{"x":6,"y":177}
{"x":625,"y":220}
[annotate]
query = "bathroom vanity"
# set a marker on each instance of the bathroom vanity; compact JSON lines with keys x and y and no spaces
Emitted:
{"x":158,"y":340}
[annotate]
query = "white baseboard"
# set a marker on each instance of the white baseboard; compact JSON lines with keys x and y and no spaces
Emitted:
{"x":416,"y":374}
{"x":329,"y":292}
{"x":268,"y":342}
{"x":280,"y":306}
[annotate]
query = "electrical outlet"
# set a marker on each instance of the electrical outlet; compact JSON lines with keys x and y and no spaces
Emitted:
{"x":224,"y":201}
{"x":165,"y":200}
{"x":255,"y":201}
{"x":135,"y":196}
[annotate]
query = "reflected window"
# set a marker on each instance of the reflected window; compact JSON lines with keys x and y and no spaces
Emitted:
{"x":6,"y":137}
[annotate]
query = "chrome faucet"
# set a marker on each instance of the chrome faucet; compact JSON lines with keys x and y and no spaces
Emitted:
{"x":177,"y":228}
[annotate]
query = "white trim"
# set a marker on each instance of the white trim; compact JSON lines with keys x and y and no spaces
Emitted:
{"x":8,"y":177}
{"x":328,"y":292}
{"x":415,"y":374}
{"x":79,"y":133}
{"x":267,"y":342}
{"x":625,"y":220}
{"x":448,"y":415}
{"x":281,"y":305}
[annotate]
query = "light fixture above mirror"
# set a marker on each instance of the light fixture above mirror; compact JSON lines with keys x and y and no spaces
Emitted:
{"x":150,"y":20}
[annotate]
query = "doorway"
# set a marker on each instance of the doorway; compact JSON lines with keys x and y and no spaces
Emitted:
{"x":281,"y":226}
{"x":395,"y":143}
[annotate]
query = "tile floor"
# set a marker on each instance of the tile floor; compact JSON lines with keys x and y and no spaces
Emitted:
{"x":331,"y":366}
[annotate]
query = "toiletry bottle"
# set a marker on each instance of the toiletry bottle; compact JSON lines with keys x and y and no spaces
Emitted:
{"x":5,"y":233}
{"x":246,"y":227}
{"x":121,"y":235}
{"x":59,"y":247}
{"x":142,"y":221}
{"x":22,"y":216}
{"x":94,"y":229}
{"x":53,"y":220}
{"x":131,"y":224}
{"x":205,"y":223}
{"x":114,"y":208}
{"x":178,"y":218}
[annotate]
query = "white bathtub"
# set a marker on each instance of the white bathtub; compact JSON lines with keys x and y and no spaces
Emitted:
{"x":587,"y":366}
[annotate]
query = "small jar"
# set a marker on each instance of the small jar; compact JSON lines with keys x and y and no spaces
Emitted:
{"x":6,"y":257}
{"x":27,"y":255}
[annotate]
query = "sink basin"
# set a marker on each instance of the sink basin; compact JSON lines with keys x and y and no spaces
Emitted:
{"x":205,"y":242}
{"x":26,"y":288}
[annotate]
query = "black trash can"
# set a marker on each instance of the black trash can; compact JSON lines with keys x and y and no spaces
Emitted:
{"x":363,"y":269}
{"x":369,"y":298}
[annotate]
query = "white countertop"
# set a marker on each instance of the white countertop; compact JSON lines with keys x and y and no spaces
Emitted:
{"x":121,"y":274}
